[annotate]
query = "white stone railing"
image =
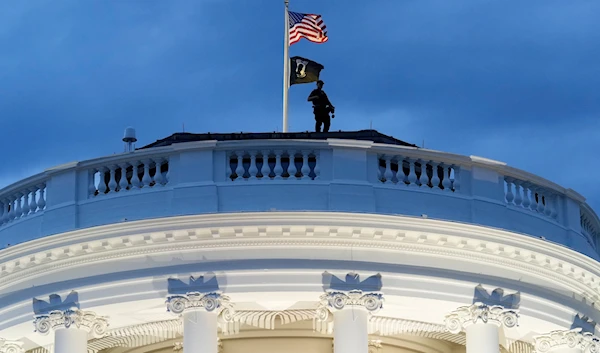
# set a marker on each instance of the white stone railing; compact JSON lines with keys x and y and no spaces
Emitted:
{"x":590,"y":225}
{"x":405,"y":171}
{"x":318,"y":175}
{"x":23,"y":200}
{"x":245,"y":165}
{"x":128,"y":175}
{"x":531,"y":197}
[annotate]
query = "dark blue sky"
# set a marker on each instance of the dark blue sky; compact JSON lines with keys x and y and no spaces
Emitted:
{"x":514,"y":80}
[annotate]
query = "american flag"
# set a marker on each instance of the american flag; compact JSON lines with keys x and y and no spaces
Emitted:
{"x":308,"y":26}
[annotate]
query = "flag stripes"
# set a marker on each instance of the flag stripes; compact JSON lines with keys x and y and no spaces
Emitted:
{"x":307,"y":26}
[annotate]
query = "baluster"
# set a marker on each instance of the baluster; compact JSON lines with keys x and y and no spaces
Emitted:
{"x":317,"y":167}
{"x":456,"y":181}
{"x":11,"y":213}
{"x":412,"y":174}
{"x":136,"y":183}
{"x":533,"y":204}
{"x":92,"y":183}
{"x":526,"y":201}
{"x":291,"y":169}
{"x":18,"y":209}
{"x":509,"y":194}
{"x":33,"y":206}
{"x":400,"y":172}
{"x":123,"y":183}
{"x":435,"y":179}
{"x":549,"y":204}
{"x":388,"y":175}
{"x":146,"y":178}
{"x":253,"y":170}
{"x":541,"y":207}
{"x":112,"y":181}
{"x":305,"y":170}
{"x":4,"y":216}
{"x":518,"y":198}
{"x":278,"y":170}
{"x":239,"y":170}
{"x":102,"y":182}
{"x":554,"y":212}
{"x":25,"y":207}
{"x":423,"y":178}
{"x":265,"y":169}
{"x":168,"y":173}
{"x":42,"y":198}
{"x":158,"y":175}
{"x":446,"y":183}
{"x":228,"y":169}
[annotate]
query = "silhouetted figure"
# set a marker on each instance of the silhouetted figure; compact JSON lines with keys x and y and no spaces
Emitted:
{"x":321,"y":107}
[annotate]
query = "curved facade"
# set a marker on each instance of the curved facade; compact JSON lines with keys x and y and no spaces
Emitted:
{"x":297,"y":244}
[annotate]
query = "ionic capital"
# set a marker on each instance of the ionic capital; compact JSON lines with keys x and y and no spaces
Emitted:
{"x":563,"y":339}
{"x":479,"y":312}
{"x":71,"y":318}
{"x":337,"y":300}
{"x":7,"y":346}
{"x":214,"y":302}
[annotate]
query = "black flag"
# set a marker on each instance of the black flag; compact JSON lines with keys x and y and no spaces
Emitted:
{"x":304,"y":71}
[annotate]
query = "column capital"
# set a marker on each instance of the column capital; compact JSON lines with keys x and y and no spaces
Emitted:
{"x":64,"y":319}
{"x":479,"y":312}
{"x":574,"y":338}
{"x":211,"y":302}
{"x":334,"y":300}
{"x":7,"y":346}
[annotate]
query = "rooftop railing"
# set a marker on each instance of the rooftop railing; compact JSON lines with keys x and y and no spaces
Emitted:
{"x":315,"y":175}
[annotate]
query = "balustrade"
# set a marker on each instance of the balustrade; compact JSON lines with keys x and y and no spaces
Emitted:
{"x":530,"y":197}
{"x":27,"y":201}
{"x":290,"y":164}
{"x":404,"y":171}
{"x":128,"y":176}
{"x":590,"y":225}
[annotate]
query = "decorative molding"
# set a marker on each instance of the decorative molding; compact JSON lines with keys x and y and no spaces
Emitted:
{"x":375,"y":346}
{"x":334,"y":300}
{"x":64,"y":319}
{"x":574,"y":339}
{"x":562,"y":266}
{"x":7,"y":346}
{"x":211,"y":302}
{"x":464,"y":316}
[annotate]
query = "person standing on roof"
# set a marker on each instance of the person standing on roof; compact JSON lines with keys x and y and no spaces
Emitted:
{"x":321,"y":107}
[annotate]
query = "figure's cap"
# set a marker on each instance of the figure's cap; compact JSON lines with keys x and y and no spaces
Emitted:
{"x":320,"y":82}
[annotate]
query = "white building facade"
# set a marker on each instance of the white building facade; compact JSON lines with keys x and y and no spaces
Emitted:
{"x":292,"y":243}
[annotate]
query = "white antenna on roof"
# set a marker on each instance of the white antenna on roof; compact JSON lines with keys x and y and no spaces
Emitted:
{"x":129,"y":139}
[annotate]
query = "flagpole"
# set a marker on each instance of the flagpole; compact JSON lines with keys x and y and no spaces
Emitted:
{"x":286,"y":67}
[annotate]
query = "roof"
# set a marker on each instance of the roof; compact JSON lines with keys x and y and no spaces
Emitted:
{"x":364,"y":135}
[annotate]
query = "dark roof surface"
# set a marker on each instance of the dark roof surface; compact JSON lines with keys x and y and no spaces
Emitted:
{"x":365,"y":135}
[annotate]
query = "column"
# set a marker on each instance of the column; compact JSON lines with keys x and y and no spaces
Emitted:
{"x":200,"y":313}
{"x":71,"y":328}
{"x":350,"y":310}
{"x":566,"y":341}
{"x":7,"y":346}
{"x":481,"y":323}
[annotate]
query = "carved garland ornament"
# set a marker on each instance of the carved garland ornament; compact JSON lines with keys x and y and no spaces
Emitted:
{"x":11,"y":346}
{"x":85,"y":320}
{"x":212,"y":302}
{"x":338,"y":300}
{"x":573,"y":339}
{"x":178,"y":346}
{"x":468,"y":315}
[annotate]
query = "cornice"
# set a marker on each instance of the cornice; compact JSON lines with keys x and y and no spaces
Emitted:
{"x":472,"y":244}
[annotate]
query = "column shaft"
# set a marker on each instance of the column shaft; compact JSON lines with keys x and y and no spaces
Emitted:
{"x":351,"y":333}
{"x":482,"y":338}
{"x":199,"y":331}
{"x":70,"y":340}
